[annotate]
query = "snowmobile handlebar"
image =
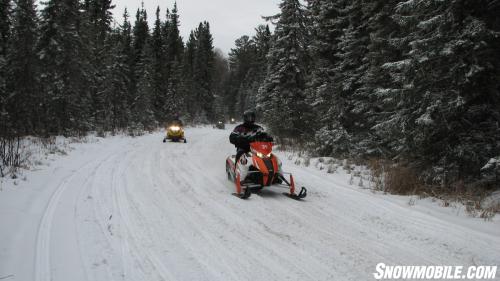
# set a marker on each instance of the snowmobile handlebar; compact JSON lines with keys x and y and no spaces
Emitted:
{"x":261,"y":137}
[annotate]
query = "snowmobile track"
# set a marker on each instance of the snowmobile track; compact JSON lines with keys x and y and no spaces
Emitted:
{"x":134,"y":209}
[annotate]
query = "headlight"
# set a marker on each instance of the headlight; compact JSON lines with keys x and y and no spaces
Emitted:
{"x":175,"y":128}
{"x":261,"y":155}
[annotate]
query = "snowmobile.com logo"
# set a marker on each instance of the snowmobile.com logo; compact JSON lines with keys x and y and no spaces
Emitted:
{"x":434,"y":272}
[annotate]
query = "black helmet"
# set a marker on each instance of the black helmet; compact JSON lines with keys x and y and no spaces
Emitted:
{"x":249,"y":117}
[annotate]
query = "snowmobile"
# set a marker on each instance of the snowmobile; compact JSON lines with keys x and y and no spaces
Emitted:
{"x":220,"y":125}
{"x":260,"y":169}
{"x":175,"y":133}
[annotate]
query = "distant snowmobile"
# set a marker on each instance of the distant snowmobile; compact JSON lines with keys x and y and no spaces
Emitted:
{"x":220,"y":125}
{"x":175,"y":132}
{"x":259,"y":169}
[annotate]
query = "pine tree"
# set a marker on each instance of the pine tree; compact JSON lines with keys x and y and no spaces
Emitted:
{"x":96,"y":22}
{"x":241,"y":60}
{"x":22,"y":69}
{"x":326,"y":29}
{"x":412,"y":80}
{"x":262,"y":44}
{"x":248,"y":65}
{"x":379,"y":90}
{"x":159,"y":72}
{"x":174,"y":68}
{"x":142,"y":107}
{"x":282,"y":97}
{"x":5,"y":25}
{"x":165,"y":27}
{"x":220,"y":76}
{"x":450,"y":108}
{"x":175,"y":45}
{"x":65,"y":69}
{"x":202,"y":72}
{"x":127,"y":53}
{"x":188,"y":83}
{"x":140,"y":32}
{"x":256,"y":75}
{"x":115,"y":88}
{"x":140,"y":37}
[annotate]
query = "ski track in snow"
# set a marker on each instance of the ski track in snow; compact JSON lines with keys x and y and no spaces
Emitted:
{"x":138,"y":209}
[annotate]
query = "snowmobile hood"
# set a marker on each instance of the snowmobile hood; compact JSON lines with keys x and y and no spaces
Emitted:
{"x":262,"y":147}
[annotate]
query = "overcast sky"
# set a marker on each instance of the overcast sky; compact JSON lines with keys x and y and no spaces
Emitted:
{"x":229,"y":19}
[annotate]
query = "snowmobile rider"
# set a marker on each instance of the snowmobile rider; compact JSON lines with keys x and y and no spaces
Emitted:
{"x":176,"y":121}
{"x":242,"y":135}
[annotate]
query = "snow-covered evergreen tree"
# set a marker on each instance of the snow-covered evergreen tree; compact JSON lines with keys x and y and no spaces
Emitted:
{"x":128,"y":55}
{"x":142,"y":106}
{"x":5,"y":25}
{"x":281,"y":99}
{"x":174,"y":45}
{"x":115,"y":88}
{"x":330,"y":105}
{"x":220,"y":77}
{"x":449,"y":111}
{"x":409,"y":80}
{"x":159,"y":72}
{"x":188,"y":84}
{"x":241,"y":59}
{"x":262,"y":44}
{"x":140,"y":35}
{"x":203,"y":70}
{"x":65,"y":71}
{"x":96,"y":27}
{"x":174,"y":55}
{"x":378,"y":92}
{"x":72,"y":71}
{"x":21,"y":72}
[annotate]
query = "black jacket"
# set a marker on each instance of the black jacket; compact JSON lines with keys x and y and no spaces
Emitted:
{"x":242,"y":134}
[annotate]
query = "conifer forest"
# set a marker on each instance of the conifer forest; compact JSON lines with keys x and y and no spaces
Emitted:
{"x":413,"y":82}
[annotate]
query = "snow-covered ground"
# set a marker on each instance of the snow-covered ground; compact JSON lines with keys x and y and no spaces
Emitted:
{"x":137,"y":209}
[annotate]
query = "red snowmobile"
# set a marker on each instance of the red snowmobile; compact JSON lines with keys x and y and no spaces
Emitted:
{"x":259,"y":169}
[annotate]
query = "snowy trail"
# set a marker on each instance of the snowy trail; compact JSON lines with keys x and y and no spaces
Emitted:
{"x":138,"y":209}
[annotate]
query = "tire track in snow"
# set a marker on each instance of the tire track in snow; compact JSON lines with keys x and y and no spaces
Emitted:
{"x":43,"y":269}
{"x":263,"y":257}
{"x":174,"y":219}
{"x":100,"y":217}
{"x":127,"y":209}
{"x":389,"y":221}
{"x":42,"y":256}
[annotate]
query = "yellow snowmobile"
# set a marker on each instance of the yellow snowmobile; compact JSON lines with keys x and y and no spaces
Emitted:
{"x":175,"y":132}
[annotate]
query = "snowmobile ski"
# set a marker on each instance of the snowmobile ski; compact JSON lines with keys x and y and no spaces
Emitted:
{"x":245,"y":195}
{"x":302,"y":194}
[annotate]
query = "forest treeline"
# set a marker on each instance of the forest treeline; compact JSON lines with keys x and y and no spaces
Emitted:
{"x":414,"y":82}
{"x":71,"y":68}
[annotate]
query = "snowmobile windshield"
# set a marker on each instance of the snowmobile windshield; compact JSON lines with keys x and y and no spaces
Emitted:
{"x":262,"y":137}
{"x":177,"y":123}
